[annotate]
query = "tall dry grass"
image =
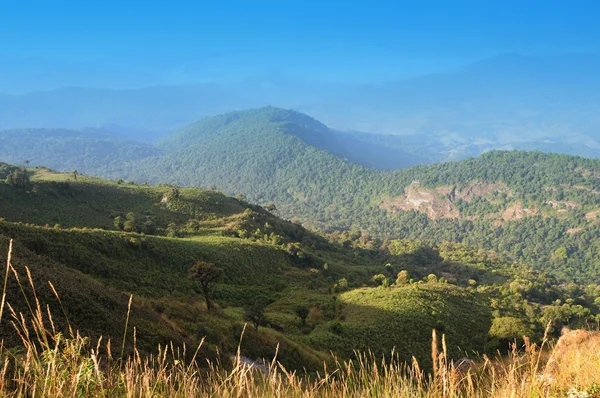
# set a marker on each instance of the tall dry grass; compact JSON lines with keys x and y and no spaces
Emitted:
{"x":53,"y":365}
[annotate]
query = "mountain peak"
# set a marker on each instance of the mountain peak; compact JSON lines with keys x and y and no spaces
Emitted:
{"x":257,"y":122}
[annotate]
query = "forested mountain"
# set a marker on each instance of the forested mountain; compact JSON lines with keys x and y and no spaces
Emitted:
{"x":304,"y":294}
{"x":534,"y":207}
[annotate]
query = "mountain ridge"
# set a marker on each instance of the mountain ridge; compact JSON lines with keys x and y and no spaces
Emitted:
{"x":262,"y":154}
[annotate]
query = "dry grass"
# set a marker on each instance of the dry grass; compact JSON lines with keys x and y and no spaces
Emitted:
{"x":51,"y":365}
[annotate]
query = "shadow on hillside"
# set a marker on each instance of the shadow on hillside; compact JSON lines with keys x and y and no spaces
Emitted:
{"x":426,"y":260}
{"x":85,"y":305}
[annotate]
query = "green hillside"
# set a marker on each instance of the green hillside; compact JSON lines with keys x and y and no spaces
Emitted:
{"x":316,"y":292}
{"x":265,"y":153}
{"x":532,"y":207}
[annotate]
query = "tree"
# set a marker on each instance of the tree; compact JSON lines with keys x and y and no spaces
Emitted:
{"x":19,"y":178}
{"x":302,"y":312}
{"x":172,"y":230}
{"x":74,"y":174}
{"x":255,"y":313}
{"x":380,"y":279}
{"x":119,"y":223}
{"x":560,"y":254}
{"x":130,"y":224}
{"x":207,"y":274}
{"x":149,"y":228}
{"x":174,"y":192}
{"x":507,"y":329}
{"x":343,"y":283}
{"x":26,"y":161}
{"x":402,"y":278}
{"x":389,"y":269}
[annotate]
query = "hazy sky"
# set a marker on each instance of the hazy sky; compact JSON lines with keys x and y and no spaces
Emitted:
{"x":182,"y":41}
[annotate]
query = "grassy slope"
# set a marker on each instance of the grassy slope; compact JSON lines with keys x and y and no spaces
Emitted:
{"x":154,"y":268}
{"x":94,"y":202}
{"x":376,"y":319}
{"x":95,"y":271}
{"x":91,"y":306}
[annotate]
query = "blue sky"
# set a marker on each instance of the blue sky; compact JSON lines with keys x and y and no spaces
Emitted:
{"x":331,"y":41}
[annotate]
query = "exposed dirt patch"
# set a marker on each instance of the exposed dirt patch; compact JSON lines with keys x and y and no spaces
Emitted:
{"x":478,"y":188}
{"x":447,"y":191}
{"x":592,"y":215}
{"x":586,"y":172}
{"x":571,"y":231}
{"x":561,"y":205}
{"x":517,"y":212}
{"x":426,"y":201}
{"x":439,"y":202}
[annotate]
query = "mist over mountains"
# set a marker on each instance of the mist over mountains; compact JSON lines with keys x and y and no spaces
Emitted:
{"x":547,"y":103}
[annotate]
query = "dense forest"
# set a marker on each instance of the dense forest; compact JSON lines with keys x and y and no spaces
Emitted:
{"x":532,"y":207}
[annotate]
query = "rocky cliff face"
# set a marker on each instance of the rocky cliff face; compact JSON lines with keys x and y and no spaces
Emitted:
{"x":439,"y":202}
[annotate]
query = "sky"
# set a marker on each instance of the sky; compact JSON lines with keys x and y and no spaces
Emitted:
{"x":174,"y":42}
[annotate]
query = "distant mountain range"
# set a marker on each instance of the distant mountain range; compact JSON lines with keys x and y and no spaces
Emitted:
{"x":548,"y":103}
{"x":89,"y":150}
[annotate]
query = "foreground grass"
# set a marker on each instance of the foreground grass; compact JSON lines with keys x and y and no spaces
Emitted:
{"x":50,"y":364}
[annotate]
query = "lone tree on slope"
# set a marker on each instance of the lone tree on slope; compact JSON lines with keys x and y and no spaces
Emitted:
{"x":207,"y":274}
{"x":255,"y":313}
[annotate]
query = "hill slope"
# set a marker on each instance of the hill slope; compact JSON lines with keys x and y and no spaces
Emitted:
{"x":261,"y":256}
{"x":533,"y":207}
{"x":489,"y":202}
{"x":316,"y":290}
{"x":264,"y":153}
